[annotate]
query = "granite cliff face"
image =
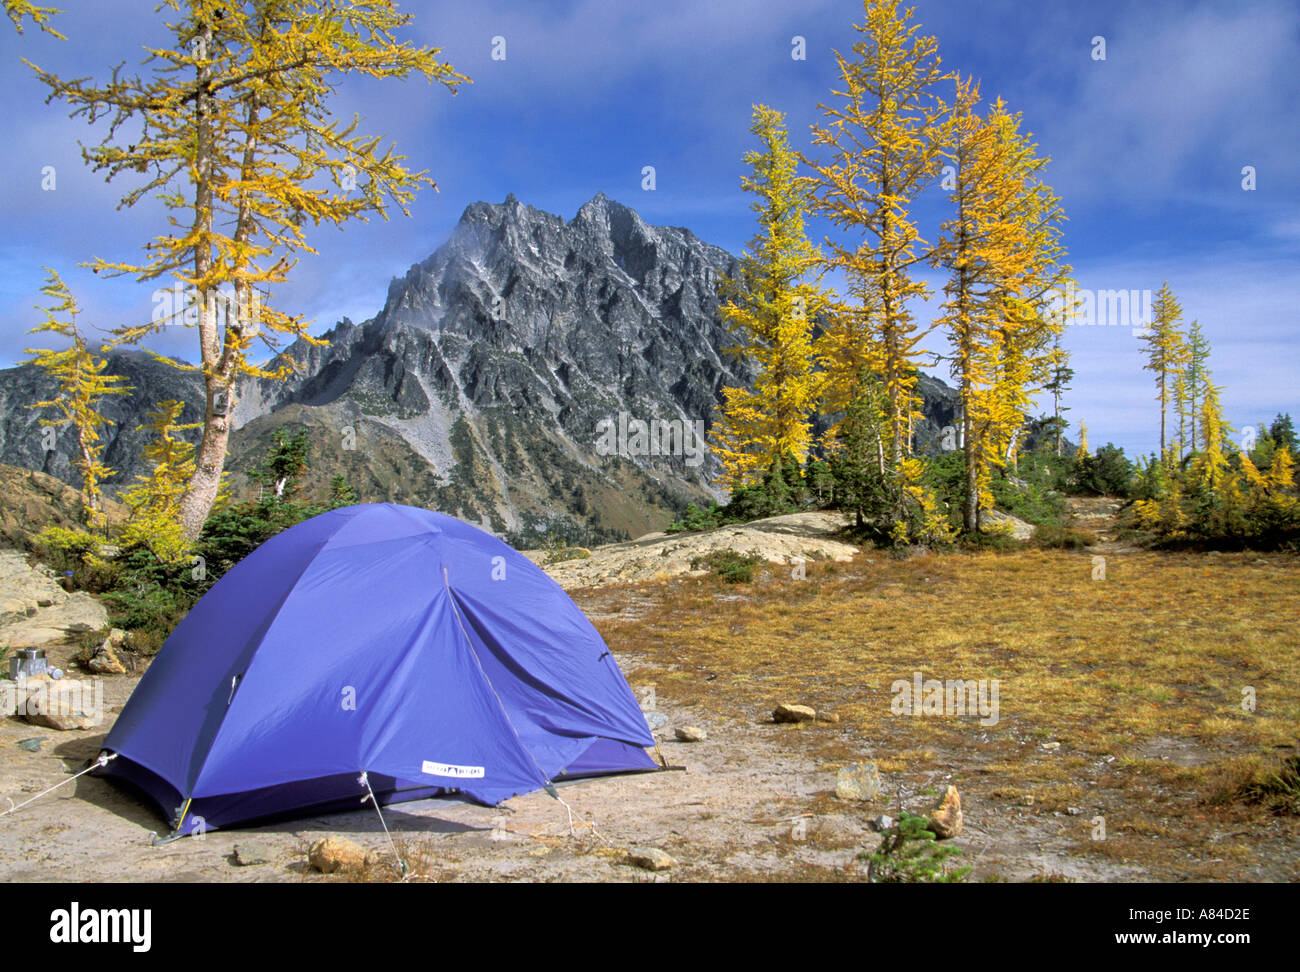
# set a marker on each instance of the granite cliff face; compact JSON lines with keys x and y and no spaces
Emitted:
{"x":490,"y":382}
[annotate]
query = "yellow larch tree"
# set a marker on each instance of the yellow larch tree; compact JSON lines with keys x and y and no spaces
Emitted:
{"x":231,"y":131}
{"x":770,"y":307}
{"x":887,"y":137}
{"x":1166,"y":353}
{"x":1001,"y":250}
{"x":81,"y":384}
{"x":1030,"y":317}
{"x":970,"y":247}
{"x":1210,"y":466}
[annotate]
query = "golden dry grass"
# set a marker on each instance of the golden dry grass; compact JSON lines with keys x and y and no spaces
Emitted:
{"x":1143,"y":673}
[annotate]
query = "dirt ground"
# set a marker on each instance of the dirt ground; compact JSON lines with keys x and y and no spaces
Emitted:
{"x":749,"y":804}
{"x":731,"y":813}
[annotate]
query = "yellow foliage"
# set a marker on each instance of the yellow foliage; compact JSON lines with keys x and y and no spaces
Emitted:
{"x":155,"y":498}
{"x":1002,"y":253}
{"x":886,"y":136}
{"x":1281,"y":474}
{"x":40,"y":16}
{"x":771,"y":307}
{"x":82,"y":383}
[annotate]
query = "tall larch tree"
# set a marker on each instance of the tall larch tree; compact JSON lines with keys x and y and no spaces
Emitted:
{"x":1001,"y":251}
{"x":1196,"y":371}
{"x":1029,"y":320}
{"x":974,"y":248}
{"x":233,"y":134}
{"x":1166,"y":353}
{"x":82,"y":383}
{"x":887,"y":137}
{"x":770,"y":307}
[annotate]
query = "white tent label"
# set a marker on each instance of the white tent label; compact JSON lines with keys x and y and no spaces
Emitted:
{"x":452,"y":770}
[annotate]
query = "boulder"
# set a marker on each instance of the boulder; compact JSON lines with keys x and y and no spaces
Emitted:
{"x":793,"y":713}
{"x":945,"y":818}
{"x":76,"y":614}
{"x":1016,"y":527}
{"x":23,"y":589}
{"x":690,"y":734}
{"x":859,"y":782}
{"x":336,"y":854}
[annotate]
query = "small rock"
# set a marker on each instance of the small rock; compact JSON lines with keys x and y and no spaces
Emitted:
{"x":32,"y":745}
{"x":655,"y":720}
{"x":650,"y":859}
{"x":691,"y":734}
{"x":330,"y":854}
{"x":945,"y":818}
{"x":793,"y":713}
{"x":1051,"y":747}
{"x":860,"y":782}
{"x":246,"y":855}
{"x":105,"y":661}
{"x":1073,"y":811}
{"x":1027,"y":800}
{"x":828,"y":717}
{"x":56,"y":705}
{"x":881,"y":823}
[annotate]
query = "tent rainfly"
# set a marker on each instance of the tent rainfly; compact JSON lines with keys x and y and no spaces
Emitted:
{"x":382,"y":640}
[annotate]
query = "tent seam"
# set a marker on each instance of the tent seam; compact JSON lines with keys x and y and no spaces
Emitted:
{"x":455,"y":607}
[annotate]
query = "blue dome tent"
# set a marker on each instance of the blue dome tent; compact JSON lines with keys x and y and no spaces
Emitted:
{"x":381,"y":640}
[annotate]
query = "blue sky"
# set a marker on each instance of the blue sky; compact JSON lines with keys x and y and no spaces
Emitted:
{"x":1148,"y":148}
